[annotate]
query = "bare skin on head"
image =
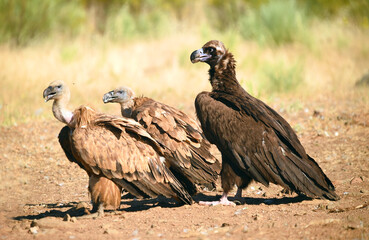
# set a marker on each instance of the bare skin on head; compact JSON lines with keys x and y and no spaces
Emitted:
{"x":124,"y":96}
{"x":255,"y":141}
{"x":60,"y":93}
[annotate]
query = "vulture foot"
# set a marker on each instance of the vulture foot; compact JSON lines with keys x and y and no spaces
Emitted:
{"x":98,"y":211}
{"x":238,"y":199}
{"x":222,"y":201}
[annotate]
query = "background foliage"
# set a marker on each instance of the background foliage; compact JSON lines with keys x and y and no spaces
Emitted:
{"x":294,"y":49}
{"x":23,"y":21}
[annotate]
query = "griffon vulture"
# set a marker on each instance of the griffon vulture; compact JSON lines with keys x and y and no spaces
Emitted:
{"x":116,"y":153}
{"x":255,"y":141}
{"x":188,"y":152}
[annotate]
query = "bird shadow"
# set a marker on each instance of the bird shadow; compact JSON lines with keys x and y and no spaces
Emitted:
{"x":145,"y":204}
{"x":57,"y":210}
{"x":255,"y":201}
{"x":134,"y":205}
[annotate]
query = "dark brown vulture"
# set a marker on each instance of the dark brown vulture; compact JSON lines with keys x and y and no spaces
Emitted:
{"x":255,"y":141}
{"x":188,"y":152}
{"x":116,"y":153}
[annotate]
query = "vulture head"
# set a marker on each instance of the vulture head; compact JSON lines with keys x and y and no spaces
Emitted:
{"x":210,"y":53}
{"x":59,"y":92}
{"x":122,"y":95}
{"x":119,"y":95}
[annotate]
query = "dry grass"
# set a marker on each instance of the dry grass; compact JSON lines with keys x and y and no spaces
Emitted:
{"x":330,"y":65}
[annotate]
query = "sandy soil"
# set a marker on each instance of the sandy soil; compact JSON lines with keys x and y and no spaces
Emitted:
{"x":42,"y":193}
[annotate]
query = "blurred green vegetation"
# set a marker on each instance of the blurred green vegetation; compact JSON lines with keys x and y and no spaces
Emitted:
{"x":22,"y":21}
{"x":276,"y":22}
{"x":280,"y":77}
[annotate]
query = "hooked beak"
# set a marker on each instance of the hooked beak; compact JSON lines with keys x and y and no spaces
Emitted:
{"x":48,"y":94}
{"x":109,"y":97}
{"x":199,"y":56}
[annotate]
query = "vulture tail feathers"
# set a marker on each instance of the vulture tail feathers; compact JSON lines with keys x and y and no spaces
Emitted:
{"x":131,"y":188}
{"x":177,"y":187}
{"x":184,"y":180}
{"x":309,"y":180}
{"x":327,"y":186}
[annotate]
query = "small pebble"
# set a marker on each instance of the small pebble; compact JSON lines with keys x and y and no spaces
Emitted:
{"x":238,"y":212}
{"x":81,"y":205}
{"x":225,"y":224}
{"x":34,"y":224}
{"x":33,"y":230}
{"x":67,"y":218}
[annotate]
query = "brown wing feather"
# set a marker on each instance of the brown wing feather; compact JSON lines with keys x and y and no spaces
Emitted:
{"x":188,"y":151}
{"x":120,"y":148}
{"x":64,"y":140}
{"x":260,"y":143}
{"x":102,"y":190}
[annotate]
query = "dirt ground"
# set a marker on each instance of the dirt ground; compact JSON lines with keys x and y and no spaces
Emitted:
{"x":42,"y":193}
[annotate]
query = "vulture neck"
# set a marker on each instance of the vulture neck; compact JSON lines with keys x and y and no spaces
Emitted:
{"x":61,"y":112}
{"x":126,"y":108}
{"x":223,"y":75}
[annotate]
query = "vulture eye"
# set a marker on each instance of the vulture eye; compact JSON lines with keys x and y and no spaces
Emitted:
{"x":211,"y":50}
{"x":59,"y":86}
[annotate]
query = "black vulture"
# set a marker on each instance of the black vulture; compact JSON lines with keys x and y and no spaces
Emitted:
{"x":255,"y":141}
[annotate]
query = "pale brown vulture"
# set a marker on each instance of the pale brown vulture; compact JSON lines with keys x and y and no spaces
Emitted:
{"x":116,"y":153}
{"x":187,"y":152}
{"x":255,"y":141}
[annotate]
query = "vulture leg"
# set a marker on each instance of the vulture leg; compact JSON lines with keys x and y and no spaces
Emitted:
{"x":229,"y":179}
{"x":238,"y":197}
{"x":241,"y":182}
{"x":98,"y":209}
{"x":104,"y":193}
{"x":238,"y":193}
{"x":222,"y":201}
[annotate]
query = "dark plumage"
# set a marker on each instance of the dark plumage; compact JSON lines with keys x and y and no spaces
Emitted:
{"x":187,"y":153}
{"x":255,"y":141}
{"x":116,"y":153}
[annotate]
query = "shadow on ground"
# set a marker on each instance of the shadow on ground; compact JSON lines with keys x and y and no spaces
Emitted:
{"x":255,"y":201}
{"x":146,"y":204}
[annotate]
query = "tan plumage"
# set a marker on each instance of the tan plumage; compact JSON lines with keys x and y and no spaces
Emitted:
{"x":116,"y":153}
{"x":105,"y":191}
{"x":187,"y":152}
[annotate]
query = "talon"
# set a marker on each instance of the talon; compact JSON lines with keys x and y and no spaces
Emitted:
{"x":238,"y":202}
